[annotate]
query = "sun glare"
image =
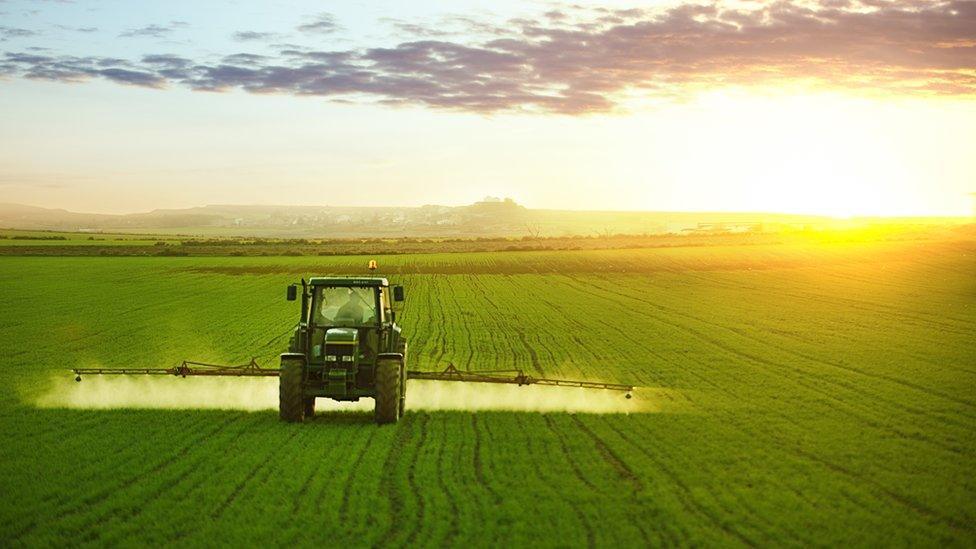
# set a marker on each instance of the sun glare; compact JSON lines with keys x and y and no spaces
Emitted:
{"x":821,"y":154}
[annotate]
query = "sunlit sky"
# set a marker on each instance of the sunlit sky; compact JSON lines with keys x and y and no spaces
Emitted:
{"x":831,"y":108}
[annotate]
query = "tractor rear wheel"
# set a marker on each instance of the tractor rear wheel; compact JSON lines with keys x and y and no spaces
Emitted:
{"x":291,"y":405}
{"x":388,"y":390}
{"x":309,"y":407}
{"x":403,"y":376}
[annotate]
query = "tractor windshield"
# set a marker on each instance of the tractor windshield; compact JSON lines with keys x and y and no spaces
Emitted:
{"x":344,"y":306}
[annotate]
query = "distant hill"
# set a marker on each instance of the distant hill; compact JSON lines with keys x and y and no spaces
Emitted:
{"x":488,"y":218}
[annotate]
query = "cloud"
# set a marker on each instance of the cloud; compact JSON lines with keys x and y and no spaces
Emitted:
{"x":78,"y":29}
{"x":415,"y":29}
{"x":248,"y":36}
{"x":323,"y":23}
{"x":580,"y":60}
{"x":78,"y":69}
{"x":135,"y":78}
{"x":14,"y":32}
{"x":154,"y":30}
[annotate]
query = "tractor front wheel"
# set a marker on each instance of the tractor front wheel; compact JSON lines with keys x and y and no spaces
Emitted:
{"x":388,"y":390}
{"x":309,"y":407}
{"x":291,"y":404}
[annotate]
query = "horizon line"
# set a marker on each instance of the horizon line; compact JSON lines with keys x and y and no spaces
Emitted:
{"x":690,"y":211}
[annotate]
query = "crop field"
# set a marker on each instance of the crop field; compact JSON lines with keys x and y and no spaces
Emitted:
{"x":819,"y":394}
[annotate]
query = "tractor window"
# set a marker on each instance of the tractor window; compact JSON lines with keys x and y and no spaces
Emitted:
{"x":344,"y":306}
{"x":385,"y":304}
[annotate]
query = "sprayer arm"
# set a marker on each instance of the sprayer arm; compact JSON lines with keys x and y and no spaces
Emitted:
{"x":186,"y":368}
{"x":513,"y":377}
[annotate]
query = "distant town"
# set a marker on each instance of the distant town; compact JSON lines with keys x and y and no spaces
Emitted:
{"x":491,"y":216}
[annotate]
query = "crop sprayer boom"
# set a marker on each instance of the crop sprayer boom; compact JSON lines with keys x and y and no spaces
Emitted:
{"x":514,"y":377}
{"x":346,"y":346}
{"x":186,"y":368}
{"x":451,"y":373}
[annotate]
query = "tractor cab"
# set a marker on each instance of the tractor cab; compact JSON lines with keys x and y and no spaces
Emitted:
{"x":348,"y":317}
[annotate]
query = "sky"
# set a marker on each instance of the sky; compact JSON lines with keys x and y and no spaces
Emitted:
{"x":836,"y":107}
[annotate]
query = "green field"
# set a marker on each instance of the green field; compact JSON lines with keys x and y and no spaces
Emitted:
{"x":23,"y":238}
{"x":818,"y":394}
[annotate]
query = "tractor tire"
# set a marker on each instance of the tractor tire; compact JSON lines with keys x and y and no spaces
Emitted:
{"x":309,"y":407}
{"x":403,"y":376}
{"x":291,"y":404}
{"x":388,"y":391}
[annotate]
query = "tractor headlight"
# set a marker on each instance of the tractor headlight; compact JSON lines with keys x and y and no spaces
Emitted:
{"x":347,"y":358}
{"x":330,"y":358}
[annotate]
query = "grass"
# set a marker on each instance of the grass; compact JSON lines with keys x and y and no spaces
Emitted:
{"x":18,"y":238}
{"x":830,"y":388}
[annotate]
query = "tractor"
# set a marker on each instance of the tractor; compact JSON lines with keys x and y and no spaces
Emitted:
{"x":346,"y":346}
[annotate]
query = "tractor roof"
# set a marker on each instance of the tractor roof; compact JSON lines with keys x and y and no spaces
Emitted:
{"x":342,"y":281}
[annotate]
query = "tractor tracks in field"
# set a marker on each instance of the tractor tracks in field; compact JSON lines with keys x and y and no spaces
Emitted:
{"x":556,"y":329}
{"x":303,"y":489}
{"x":347,"y":486}
{"x":479,"y":466}
{"x":78,"y":429}
{"x":777,"y":369}
{"x":754,"y":517}
{"x":144,"y":503}
{"x":388,"y":484}
{"x":201,"y":423}
{"x":397,"y":495}
{"x":444,"y":488}
{"x":852,"y":478}
{"x":496,"y":329}
{"x":541,"y":473}
{"x":568,"y":455}
{"x":533,"y":357}
{"x":319,"y":504}
{"x":131,"y":457}
{"x":798,"y":354}
{"x":264,"y":469}
{"x":906,"y":501}
{"x":437,"y":332}
{"x":617,"y":465}
{"x":802,"y":293}
{"x":415,"y":488}
{"x":459,"y":325}
{"x":610,"y":457}
{"x":684,"y":493}
{"x":868,"y":307}
{"x":86,"y":503}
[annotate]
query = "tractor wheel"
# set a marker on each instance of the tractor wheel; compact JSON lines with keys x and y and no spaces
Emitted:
{"x":309,"y":407}
{"x":403,"y":376}
{"x":388,"y":391}
{"x":291,"y":405}
{"x":403,"y":393}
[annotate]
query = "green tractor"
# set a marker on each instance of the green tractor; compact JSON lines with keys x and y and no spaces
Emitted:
{"x":346,"y":346}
